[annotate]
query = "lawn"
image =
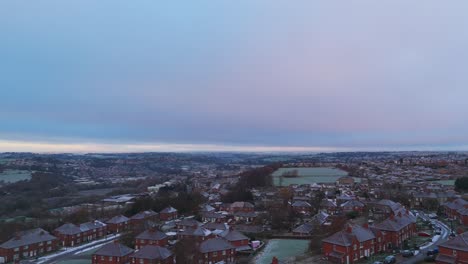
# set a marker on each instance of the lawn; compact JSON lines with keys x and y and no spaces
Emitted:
{"x":10,"y":176}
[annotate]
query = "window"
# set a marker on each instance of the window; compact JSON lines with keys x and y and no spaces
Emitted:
{"x":355,"y":256}
{"x":25,"y":247}
{"x":102,"y":257}
{"x":224,"y":252}
{"x":354,"y":247}
{"x":215,"y":254}
{"x":360,"y":245}
{"x":141,"y":261}
{"x":49,"y":242}
{"x":454,"y":253}
{"x":16,"y":249}
{"x":110,"y":258}
{"x":49,"y":248}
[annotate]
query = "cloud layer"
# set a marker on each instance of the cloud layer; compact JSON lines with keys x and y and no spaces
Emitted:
{"x":249,"y":74}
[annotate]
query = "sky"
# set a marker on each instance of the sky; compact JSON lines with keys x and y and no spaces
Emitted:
{"x":123,"y":76}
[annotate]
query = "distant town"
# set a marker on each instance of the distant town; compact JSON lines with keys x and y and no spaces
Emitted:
{"x":151,"y":208}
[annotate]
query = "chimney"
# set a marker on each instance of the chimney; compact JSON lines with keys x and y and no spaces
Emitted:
{"x":366,"y":226}
{"x":392,"y":216}
{"x":399,"y":214}
{"x":349,"y":229}
{"x":274,"y":260}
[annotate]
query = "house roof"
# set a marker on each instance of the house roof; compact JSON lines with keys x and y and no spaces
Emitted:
{"x":327,"y":203}
{"x":301,"y":204}
{"x":114,"y":249}
{"x":144,"y":215}
{"x":215,"y":244}
{"x":233,"y":235}
{"x":200,"y":231}
{"x":213,"y":215}
{"x":91,"y":225}
{"x":207,"y":208}
{"x":189,"y":222}
{"x":169,"y":210}
{"x":118,"y":219}
{"x":353,"y":203}
{"x":241,"y":205}
{"x":68,"y":229}
{"x":245,"y":214}
{"x":459,"y":242}
{"x":216,"y":226}
{"x":346,"y":237}
{"x":305,"y":228}
{"x":396,"y":222}
{"x":152,"y":252}
{"x":151,"y":234}
{"x":28,"y":237}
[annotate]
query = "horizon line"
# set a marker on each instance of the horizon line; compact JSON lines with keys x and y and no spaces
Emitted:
{"x":44,"y":147}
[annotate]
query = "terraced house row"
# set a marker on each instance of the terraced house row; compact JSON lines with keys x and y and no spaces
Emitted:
{"x":356,"y":242}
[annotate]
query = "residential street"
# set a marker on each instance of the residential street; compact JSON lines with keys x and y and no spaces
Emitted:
{"x":442,"y":238}
{"x":70,"y":252}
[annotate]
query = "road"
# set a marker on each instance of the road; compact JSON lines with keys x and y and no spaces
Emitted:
{"x":443,"y":237}
{"x":69,"y":253}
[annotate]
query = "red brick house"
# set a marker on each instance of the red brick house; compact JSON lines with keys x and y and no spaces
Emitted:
{"x":454,"y":250}
{"x":352,"y":244}
{"x":301,"y":207}
{"x":305,"y":229}
{"x":241,"y":207}
{"x":237,"y":239}
{"x":246,"y":217}
{"x":93,"y":230}
{"x":151,"y":237}
{"x":397,"y":229}
{"x":200,"y":234}
{"x":112,"y":253}
{"x":188,"y":223}
{"x":69,"y":235}
{"x":463,"y":216}
{"x":117,"y":224}
{"x":27,"y":244}
{"x":138,"y":220}
{"x":216,"y":250}
{"x":213,"y":217}
{"x":328,"y":206}
{"x":152,"y":255}
{"x":452,"y":207}
{"x":168,"y":213}
{"x":353,"y":206}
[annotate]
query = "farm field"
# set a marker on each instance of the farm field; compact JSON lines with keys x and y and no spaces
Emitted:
{"x":10,"y":176}
{"x":308,"y":176}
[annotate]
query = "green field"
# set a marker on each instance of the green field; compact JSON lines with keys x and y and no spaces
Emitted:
{"x":10,"y":176}
{"x":447,"y":182}
{"x":308,"y":176}
{"x":282,"y":249}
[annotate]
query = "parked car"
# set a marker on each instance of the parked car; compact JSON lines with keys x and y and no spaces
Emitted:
{"x":389,"y":260}
{"x":432,"y":252}
{"x":407,"y":253}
